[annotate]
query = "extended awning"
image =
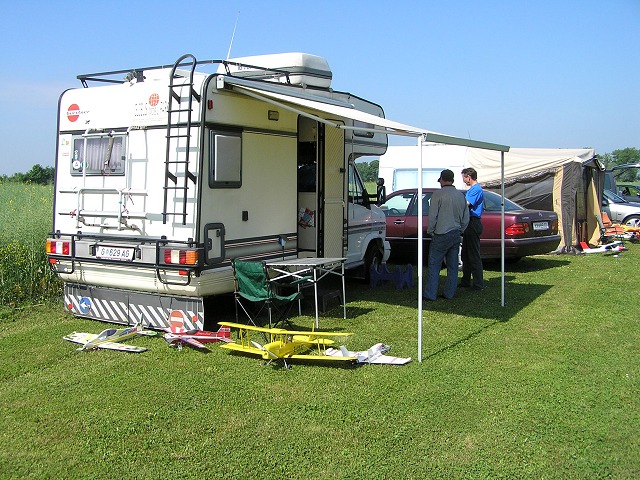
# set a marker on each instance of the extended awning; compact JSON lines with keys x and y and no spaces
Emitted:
{"x":304,"y":103}
{"x":275,"y":95}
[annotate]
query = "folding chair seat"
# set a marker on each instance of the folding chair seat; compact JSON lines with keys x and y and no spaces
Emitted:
{"x":255,"y":293}
{"x":609,"y":231}
{"x":610,"y":227}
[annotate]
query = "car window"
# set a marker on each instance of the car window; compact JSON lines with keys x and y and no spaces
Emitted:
{"x":492,"y":203}
{"x":612,"y":197}
{"x":426,"y":201}
{"x":631,"y":190}
{"x":397,"y":205}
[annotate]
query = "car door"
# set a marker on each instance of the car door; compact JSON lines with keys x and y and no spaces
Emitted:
{"x":395,"y":209}
{"x":411,"y":219}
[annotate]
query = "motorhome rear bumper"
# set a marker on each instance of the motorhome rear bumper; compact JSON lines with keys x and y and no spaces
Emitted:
{"x":128,"y":307}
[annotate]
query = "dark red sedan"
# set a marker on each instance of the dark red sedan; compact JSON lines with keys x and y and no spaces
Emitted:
{"x":526,"y":232}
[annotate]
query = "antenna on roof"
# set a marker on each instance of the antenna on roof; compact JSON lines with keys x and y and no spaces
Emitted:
{"x":233,"y":35}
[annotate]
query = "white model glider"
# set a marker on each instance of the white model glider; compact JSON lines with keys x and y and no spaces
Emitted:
{"x":374,"y":355}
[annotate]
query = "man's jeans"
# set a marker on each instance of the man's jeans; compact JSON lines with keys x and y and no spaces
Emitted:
{"x":442,"y":247}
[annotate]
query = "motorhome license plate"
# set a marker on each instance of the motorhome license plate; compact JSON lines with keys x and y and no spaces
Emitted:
{"x":114,"y":253}
{"x":541,"y":225}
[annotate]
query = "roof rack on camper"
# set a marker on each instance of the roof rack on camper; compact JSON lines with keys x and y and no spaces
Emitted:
{"x":290,"y":68}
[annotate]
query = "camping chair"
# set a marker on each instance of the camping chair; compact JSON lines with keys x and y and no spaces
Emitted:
{"x":255,"y":292}
{"x":608,"y":230}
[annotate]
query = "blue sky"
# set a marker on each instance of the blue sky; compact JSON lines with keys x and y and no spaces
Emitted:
{"x":544,"y":73}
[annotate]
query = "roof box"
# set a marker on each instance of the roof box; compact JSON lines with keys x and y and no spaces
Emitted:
{"x":301,"y":69}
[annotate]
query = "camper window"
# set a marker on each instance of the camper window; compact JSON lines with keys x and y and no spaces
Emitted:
{"x":104,"y":155}
{"x":362,"y":133}
{"x":225,"y":159}
{"x":356,"y":188}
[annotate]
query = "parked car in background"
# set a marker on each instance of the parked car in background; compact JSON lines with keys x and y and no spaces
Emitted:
{"x":619,"y":210}
{"x":527,"y":232}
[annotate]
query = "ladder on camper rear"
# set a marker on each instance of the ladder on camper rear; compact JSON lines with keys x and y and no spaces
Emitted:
{"x":179,"y":125}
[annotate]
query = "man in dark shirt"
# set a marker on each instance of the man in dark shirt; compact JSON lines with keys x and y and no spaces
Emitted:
{"x":448,"y":218}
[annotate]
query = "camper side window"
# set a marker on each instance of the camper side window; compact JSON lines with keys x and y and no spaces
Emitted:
{"x":225,"y":159}
{"x":356,"y":188}
{"x":105,"y":155}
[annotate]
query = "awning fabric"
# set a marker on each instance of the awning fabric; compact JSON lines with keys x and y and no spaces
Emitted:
{"x":337,"y":108}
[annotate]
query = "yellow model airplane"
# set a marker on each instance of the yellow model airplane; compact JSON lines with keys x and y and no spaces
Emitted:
{"x":285,"y":344}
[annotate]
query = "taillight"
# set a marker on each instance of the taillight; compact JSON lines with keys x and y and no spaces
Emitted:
{"x":517,"y":229}
{"x":554,"y":225}
{"x":55,"y":247}
{"x":180,"y":257}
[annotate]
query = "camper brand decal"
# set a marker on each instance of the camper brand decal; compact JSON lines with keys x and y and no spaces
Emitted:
{"x":74,"y":112}
{"x":151,"y":110}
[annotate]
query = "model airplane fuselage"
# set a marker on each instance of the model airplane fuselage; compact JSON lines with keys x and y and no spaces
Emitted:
{"x":196,"y":338}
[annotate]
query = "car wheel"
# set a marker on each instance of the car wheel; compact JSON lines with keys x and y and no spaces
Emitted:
{"x":373,"y":257}
{"x":632,"y":221}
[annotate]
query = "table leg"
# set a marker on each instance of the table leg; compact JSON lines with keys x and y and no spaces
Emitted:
{"x":344,"y":298}
{"x":315,"y":291}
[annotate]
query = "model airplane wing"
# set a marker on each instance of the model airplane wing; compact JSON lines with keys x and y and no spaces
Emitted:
{"x":176,"y":339}
{"x":80,"y":337}
{"x":121,"y":347}
{"x":83,"y":338}
{"x":243,"y":348}
{"x":279,"y":331}
{"x":194,"y":343}
{"x":324,"y":358}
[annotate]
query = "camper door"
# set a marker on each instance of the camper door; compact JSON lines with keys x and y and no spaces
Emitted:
{"x":321,"y":184}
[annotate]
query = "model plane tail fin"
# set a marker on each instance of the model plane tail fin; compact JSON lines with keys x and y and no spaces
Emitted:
{"x":344,"y":351}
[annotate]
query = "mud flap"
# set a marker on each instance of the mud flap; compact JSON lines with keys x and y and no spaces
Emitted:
{"x":127,"y":307}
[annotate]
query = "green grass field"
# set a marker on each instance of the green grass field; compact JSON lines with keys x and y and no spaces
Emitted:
{"x":545,"y":387}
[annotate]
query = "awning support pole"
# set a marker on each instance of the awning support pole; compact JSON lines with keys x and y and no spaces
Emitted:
{"x":420,"y":251}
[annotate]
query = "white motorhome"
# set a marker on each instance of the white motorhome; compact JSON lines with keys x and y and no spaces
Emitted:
{"x":164,"y":175}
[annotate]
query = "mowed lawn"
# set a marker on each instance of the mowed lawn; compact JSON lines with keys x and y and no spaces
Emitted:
{"x":547,"y":386}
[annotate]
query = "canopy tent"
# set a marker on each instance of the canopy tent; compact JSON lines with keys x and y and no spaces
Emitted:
{"x":563,"y":180}
{"x":566,"y":181}
{"x":310,"y":105}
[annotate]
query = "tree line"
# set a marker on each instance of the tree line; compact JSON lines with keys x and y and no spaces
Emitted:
{"x":623,"y":157}
{"x":38,"y":174}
